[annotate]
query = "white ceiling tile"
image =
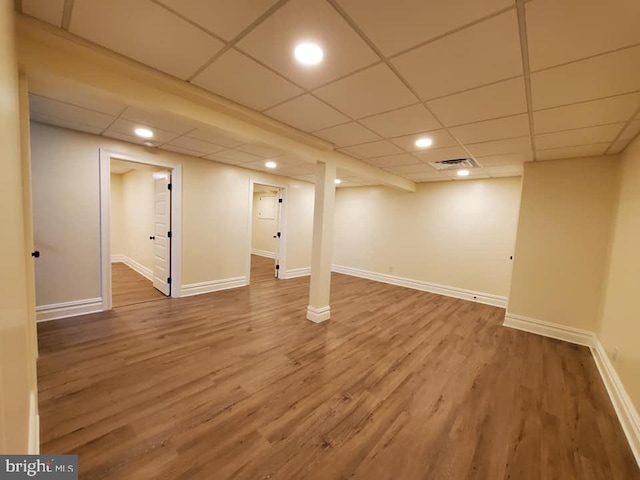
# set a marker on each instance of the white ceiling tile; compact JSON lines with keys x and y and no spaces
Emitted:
{"x":572,"y":152}
{"x":493,"y":101}
{"x":226,"y":18}
{"x":505,"y":159}
{"x":404,"y":121}
{"x":618,"y":146}
{"x":413,"y":168}
{"x":563,"y":31}
{"x":238,"y":156}
{"x":508,"y":127}
{"x":69,"y":113}
{"x":504,"y":170}
{"x":49,"y":11}
{"x":178,"y":149}
{"x":580,"y":136}
{"x":196,"y":145}
{"x":307,"y":113}
{"x":439,"y":154}
{"x":146,"y":32}
{"x":128,"y":127}
{"x":273,"y":41}
{"x":501,"y":147}
{"x":219,"y":159}
{"x":264,"y":151}
{"x":597,"y":77}
{"x":587,"y":114}
{"x":347,"y":134}
{"x":374,"y":90}
{"x":76,"y":94}
{"x":215,"y":135}
{"x":164,"y":121}
{"x":631,"y":130}
{"x":411,"y":22}
{"x":427,"y":177}
{"x":440,"y":138}
{"x":124,"y":137}
{"x":374,"y":149}
{"x":241,"y":79}
{"x":483,"y":53}
{"x":393,"y":160}
{"x":64,"y":123}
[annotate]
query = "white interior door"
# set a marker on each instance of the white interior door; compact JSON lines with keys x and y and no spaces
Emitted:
{"x":278,"y":253}
{"x":162,"y":233}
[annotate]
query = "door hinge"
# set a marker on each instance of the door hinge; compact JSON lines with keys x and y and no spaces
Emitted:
{"x":168,"y":234}
{"x":279,"y":234}
{"x":279,"y":200}
{"x":168,"y":186}
{"x":277,"y":267}
{"x":169,"y":280}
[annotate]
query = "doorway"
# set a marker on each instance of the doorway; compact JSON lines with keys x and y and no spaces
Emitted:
{"x":140,"y":223}
{"x":266,"y":260}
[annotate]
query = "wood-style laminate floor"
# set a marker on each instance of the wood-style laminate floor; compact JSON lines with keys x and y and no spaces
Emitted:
{"x":128,"y":287}
{"x":399,"y":384}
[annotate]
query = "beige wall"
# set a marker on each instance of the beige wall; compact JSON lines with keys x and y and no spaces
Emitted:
{"x":563,"y":235}
{"x":138,"y":217}
{"x":264,"y":229}
{"x":620,"y":322}
{"x":458,"y":234}
{"x":215,"y":214}
{"x":117,"y":213}
{"x":17,"y":357}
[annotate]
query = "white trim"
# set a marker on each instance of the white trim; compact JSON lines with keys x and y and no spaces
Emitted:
{"x":548,"y":329}
{"x":486,"y":298}
{"x":263,"y":253}
{"x":34,"y":426}
{"x":627,"y":414}
{"x":105,"y":157}
{"x":213,"y":286}
{"x":296,"y":272}
{"x":622,"y":404}
{"x":131,"y":263}
{"x":318,"y":315}
{"x":68,"y":309}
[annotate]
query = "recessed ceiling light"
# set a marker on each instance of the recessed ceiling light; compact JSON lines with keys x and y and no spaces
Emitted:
{"x":424,"y":142}
{"x":308,"y":53}
{"x":463,"y":173}
{"x":337,"y":181}
{"x":270,"y":164}
{"x":149,"y":144}
{"x":144,"y":132}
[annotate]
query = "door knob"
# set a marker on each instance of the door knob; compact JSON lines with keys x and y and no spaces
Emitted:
{"x":35,"y":254}
{"x":152,"y":237}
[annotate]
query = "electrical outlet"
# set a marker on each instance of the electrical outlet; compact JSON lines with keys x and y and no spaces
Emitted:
{"x":614,"y":354}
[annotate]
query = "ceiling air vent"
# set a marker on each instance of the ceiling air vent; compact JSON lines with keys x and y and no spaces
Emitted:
{"x":454,"y":164}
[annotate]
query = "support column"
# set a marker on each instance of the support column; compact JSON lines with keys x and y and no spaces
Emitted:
{"x":321,"y":255}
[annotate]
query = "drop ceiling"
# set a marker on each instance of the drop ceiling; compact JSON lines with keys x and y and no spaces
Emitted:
{"x":501,"y":81}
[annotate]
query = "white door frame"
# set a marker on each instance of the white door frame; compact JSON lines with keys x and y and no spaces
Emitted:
{"x":105,"y":157}
{"x":282,"y":226}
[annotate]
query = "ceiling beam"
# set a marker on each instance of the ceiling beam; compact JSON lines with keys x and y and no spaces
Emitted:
{"x":46,"y":52}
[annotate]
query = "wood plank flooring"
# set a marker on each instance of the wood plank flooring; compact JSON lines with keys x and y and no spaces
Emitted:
{"x":129,"y":287}
{"x":399,"y":384}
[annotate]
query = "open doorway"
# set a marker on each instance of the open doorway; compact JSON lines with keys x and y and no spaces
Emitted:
{"x":267,"y":235}
{"x":140,"y":225}
{"x":140,"y":229}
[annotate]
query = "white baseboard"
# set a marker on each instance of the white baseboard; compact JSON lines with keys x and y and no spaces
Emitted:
{"x":627,"y":414}
{"x":34,"y":426}
{"x":486,"y":298}
{"x":296,"y":272}
{"x":213,"y":286}
{"x":318,"y":315}
{"x":548,"y":329}
{"x":263,"y":253}
{"x":68,"y":309}
{"x":131,"y":263}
